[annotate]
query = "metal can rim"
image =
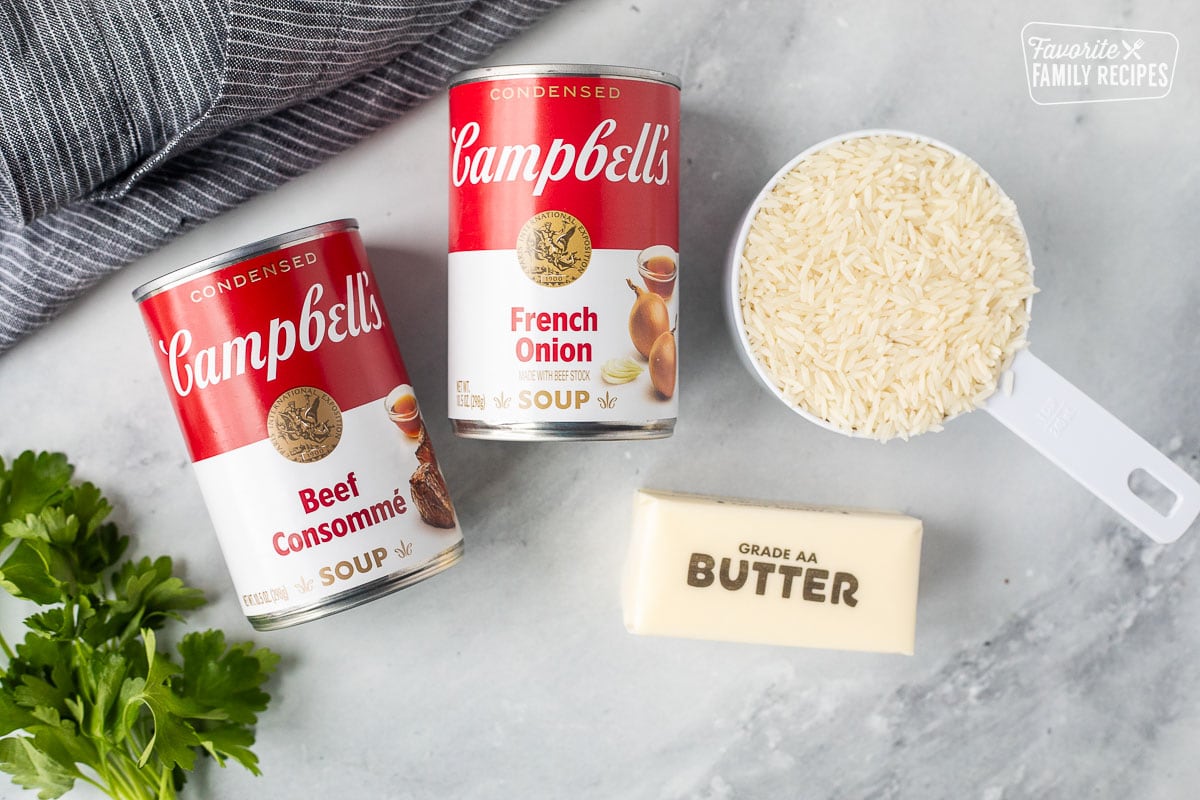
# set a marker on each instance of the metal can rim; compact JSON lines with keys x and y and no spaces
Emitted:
{"x":566,"y":70}
{"x":246,"y":251}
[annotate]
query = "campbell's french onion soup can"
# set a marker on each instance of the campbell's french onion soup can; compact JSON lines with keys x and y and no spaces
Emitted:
{"x":303,"y":427}
{"x":564,"y":252}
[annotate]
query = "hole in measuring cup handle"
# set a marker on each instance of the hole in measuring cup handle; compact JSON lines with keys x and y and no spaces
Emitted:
{"x":1153,"y":492}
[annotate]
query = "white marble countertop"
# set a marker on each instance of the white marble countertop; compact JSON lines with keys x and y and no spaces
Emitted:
{"x":1058,"y":651}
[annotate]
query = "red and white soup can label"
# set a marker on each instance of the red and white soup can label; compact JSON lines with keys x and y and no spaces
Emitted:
{"x":564,"y":252}
{"x":303,"y":428}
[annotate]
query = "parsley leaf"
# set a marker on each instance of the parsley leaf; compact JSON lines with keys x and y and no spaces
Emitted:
{"x":95,"y":699}
{"x":29,"y":572}
{"x":34,"y":769}
{"x":32,"y":483}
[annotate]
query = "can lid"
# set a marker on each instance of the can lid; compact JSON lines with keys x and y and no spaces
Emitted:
{"x":578,"y":70}
{"x":242,"y":253}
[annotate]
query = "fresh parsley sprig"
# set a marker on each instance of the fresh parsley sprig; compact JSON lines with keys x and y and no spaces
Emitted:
{"x":94,"y":698}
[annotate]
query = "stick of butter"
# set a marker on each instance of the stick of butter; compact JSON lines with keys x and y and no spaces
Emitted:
{"x":714,"y":568}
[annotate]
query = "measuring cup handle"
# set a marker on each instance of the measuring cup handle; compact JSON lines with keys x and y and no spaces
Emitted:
{"x":1093,"y":447}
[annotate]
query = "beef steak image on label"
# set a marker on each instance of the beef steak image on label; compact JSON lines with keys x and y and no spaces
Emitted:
{"x":431,"y":497}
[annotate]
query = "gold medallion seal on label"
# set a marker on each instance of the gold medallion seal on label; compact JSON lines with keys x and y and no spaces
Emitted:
{"x":554,"y":248}
{"x":304,"y":424}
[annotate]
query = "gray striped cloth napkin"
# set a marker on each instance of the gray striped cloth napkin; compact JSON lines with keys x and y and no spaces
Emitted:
{"x":125,"y":123}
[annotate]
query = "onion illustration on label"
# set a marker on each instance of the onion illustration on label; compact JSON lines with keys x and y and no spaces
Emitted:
{"x":663,"y":364}
{"x":651,"y":333}
{"x":648,"y":319}
{"x":620,"y":370}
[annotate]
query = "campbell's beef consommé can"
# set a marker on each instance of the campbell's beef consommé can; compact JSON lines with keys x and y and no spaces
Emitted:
{"x":303,"y":429}
{"x":564,"y":252}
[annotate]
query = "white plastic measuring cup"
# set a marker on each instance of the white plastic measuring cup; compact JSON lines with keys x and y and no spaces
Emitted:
{"x":1043,"y":408}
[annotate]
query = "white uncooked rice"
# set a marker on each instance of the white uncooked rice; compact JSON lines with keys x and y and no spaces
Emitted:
{"x":884,"y":285}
